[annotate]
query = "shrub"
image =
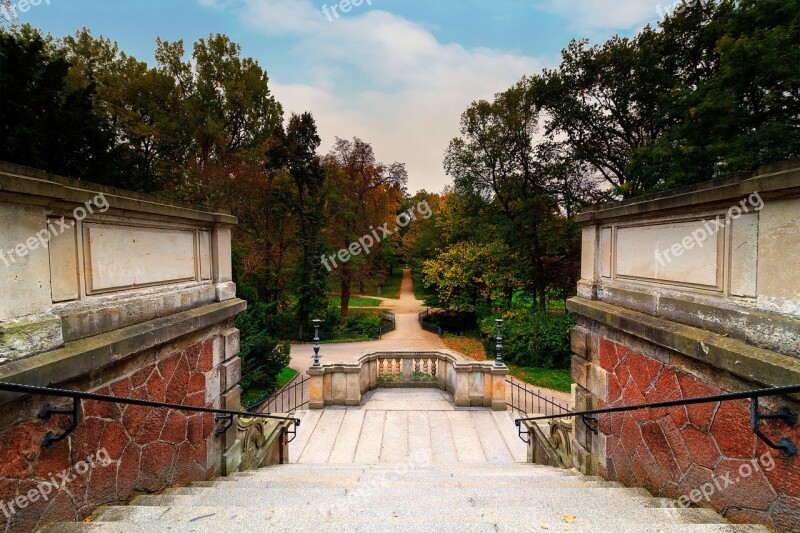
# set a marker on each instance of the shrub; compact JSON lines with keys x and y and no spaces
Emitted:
{"x":455,"y":322}
{"x":263,"y":358}
{"x":532,"y":339}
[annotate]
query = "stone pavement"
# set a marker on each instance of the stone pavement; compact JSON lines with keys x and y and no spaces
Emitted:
{"x":405,"y":426}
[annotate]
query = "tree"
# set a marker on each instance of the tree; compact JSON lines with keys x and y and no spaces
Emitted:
{"x":8,"y":13}
{"x":468,"y":276}
{"x":497,"y":168}
{"x":295,"y":150}
{"x":736,"y":104}
{"x":43,"y":122}
{"x":367,"y":194}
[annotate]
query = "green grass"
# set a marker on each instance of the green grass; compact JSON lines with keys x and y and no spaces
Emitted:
{"x":286,"y":375}
{"x":356,"y":301}
{"x":391,"y":289}
{"x":559,"y":379}
{"x":419,"y":289}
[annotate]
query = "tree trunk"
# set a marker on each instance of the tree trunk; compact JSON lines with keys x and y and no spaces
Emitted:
{"x":347,"y":280}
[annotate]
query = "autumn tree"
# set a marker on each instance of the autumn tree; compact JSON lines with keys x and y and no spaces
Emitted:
{"x":368,"y":194}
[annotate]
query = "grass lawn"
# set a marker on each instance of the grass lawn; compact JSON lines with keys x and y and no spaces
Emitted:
{"x":559,"y":379}
{"x":391,"y":289}
{"x":356,"y":301}
{"x":286,"y":375}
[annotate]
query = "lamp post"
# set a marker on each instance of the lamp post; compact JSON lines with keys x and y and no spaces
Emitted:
{"x":317,"y":322}
{"x":499,"y":360}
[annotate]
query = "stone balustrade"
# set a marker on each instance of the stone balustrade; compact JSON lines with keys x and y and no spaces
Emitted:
{"x":472,"y":383}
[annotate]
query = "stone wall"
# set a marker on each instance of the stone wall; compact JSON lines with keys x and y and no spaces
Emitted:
{"x":722,"y":315}
{"x":132,"y":297}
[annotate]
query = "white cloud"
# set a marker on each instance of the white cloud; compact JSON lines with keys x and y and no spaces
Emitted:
{"x":415,"y":90}
{"x":215,"y":4}
{"x":605,"y":15}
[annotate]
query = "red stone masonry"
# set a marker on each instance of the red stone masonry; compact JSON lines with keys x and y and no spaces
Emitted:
{"x":141,"y":449}
{"x":702,"y":452}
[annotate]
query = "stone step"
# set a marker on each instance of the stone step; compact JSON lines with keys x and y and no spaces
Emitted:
{"x":242,"y":525}
{"x":555,"y":518}
{"x":410,"y":475}
{"x":515,"y":469}
{"x":352,"y":482}
{"x":379,"y":497}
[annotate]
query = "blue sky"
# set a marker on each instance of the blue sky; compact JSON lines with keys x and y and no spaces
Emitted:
{"x":397,"y":73}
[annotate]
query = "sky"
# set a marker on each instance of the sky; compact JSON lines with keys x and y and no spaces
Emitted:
{"x":395,"y":73}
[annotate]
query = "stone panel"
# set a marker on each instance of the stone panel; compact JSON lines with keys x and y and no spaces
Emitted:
{"x":744,"y":256}
{"x":121,"y":257}
{"x":24,"y":270}
{"x":206,"y":265}
{"x":670,"y":252}
{"x":64,"y":263}
{"x":606,"y":252}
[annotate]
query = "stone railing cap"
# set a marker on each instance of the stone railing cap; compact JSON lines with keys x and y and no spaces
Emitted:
{"x":779,"y":179}
{"x":37,"y":183}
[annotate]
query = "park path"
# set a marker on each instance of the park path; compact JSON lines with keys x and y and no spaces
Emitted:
{"x":407,"y":336}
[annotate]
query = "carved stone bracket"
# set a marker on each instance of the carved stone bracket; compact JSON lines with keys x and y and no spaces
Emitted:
{"x":263,"y":441}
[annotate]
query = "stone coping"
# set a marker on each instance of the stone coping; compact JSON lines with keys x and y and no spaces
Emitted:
{"x":83,"y":356}
{"x":751,"y":363}
{"x":781,"y":179}
{"x":456,"y":360}
{"x":16,"y":179}
{"x":770,"y":331}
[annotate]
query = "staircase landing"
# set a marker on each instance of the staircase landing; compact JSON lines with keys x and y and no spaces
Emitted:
{"x":411,"y":426}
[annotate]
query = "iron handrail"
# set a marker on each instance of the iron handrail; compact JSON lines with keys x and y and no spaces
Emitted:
{"x":297,"y":381}
{"x":76,"y":396}
{"x":787,"y":416}
{"x":536,"y":394}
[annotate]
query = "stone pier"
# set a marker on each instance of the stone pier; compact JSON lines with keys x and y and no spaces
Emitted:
{"x":117,"y":293}
{"x":690,"y":293}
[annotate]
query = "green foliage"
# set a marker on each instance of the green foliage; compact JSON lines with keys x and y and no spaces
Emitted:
{"x":455,"y":322}
{"x":467,"y":276}
{"x":391,"y":287}
{"x":45,"y":123}
{"x":532,"y":339}
{"x":712,"y":92}
{"x":363,"y":321}
{"x":263,"y":359}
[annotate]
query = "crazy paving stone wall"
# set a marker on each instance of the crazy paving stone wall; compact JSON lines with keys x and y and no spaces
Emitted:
{"x":117,"y":451}
{"x":705,"y":455}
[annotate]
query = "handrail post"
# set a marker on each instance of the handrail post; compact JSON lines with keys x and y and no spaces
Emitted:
{"x":499,"y":360}
{"x":316,"y":341}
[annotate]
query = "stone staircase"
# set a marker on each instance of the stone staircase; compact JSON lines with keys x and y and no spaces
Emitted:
{"x":405,"y":497}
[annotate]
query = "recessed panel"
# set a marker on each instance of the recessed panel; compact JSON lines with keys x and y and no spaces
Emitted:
{"x":122,"y":257}
{"x":685,"y":253}
{"x":64,"y":260}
